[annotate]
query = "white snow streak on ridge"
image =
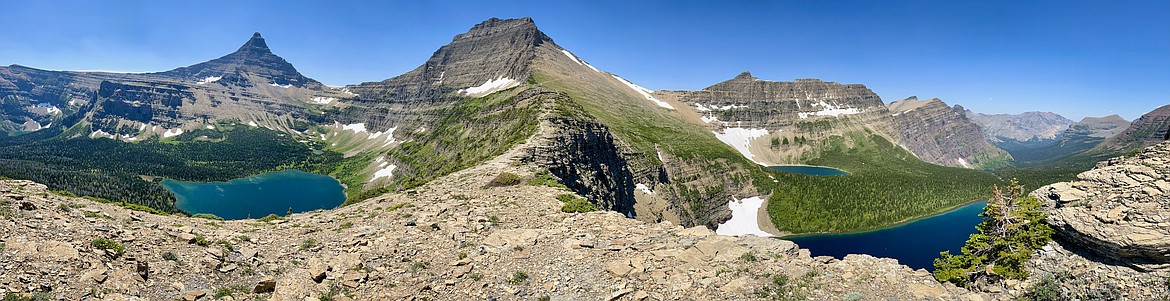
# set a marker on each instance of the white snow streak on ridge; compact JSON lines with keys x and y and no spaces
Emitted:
{"x":252,"y":123}
{"x":964,"y":163}
{"x":643,"y":188}
{"x":579,"y":61}
{"x":739,"y":138}
{"x":385,"y":172}
{"x":709,"y":119}
{"x":744,"y":215}
{"x":829,"y":110}
{"x":489,"y":87}
{"x":172,"y":132}
{"x":100,"y":134}
{"x":322,"y":100}
{"x":645,"y":92}
{"x":208,"y":80}
{"x":356,"y":127}
{"x":282,"y":86}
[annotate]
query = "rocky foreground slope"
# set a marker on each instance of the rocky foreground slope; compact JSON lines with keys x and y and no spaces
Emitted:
{"x":451,"y":239}
{"x":455,"y":239}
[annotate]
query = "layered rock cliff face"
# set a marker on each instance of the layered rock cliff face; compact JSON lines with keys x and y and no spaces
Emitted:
{"x":1113,"y":226}
{"x":748,"y":102}
{"x":1150,"y":128}
{"x":812,"y":110}
{"x":1038,"y":126}
{"x":942,"y":135}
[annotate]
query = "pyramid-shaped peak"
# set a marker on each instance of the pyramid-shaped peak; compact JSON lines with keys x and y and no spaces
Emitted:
{"x":745,"y":75}
{"x":255,"y":44}
{"x":253,"y":59}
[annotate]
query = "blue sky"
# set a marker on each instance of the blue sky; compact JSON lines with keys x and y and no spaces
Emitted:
{"x":1076,"y":58}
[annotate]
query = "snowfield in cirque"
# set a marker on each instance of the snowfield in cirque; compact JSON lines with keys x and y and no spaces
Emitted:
{"x":744,"y":218}
{"x":740,"y":139}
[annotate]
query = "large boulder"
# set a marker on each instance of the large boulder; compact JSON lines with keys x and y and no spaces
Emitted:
{"x":1120,"y":209}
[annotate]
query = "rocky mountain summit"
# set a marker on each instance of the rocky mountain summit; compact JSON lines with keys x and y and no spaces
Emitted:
{"x":253,"y":58}
{"x":451,"y":239}
{"x":1020,"y":127}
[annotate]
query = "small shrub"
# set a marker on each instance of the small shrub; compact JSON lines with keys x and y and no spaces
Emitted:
{"x":574,"y":204}
{"x":518,"y":277}
{"x":504,"y":179}
{"x":42,"y":296}
{"x":308,"y":244}
{"x":399,"y":206}
{"x":201,"y":241}
{"x":475,"y":276}
{"x":107,"y":244}
{"x":494,"y":219}
{"x":344,"y":226}
{"x":207,"y":216}
{"x":92,"y":214}
{"x":748,"y":256}
{"x":545,"y":178}
{"x":168,"y":255}
{"x":418,"y":265}
{"x":270,"y":218}
{"x":227,"y":245}
{"x":565,"y":197}
{"x":461,"y":256}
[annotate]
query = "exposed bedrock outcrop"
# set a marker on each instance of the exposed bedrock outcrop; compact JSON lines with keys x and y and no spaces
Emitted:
{"x":1120,"y":209}
{"x":588,"y":160}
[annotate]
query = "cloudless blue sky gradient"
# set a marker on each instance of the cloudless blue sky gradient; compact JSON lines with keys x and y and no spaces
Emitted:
{"x":1076,"y":58}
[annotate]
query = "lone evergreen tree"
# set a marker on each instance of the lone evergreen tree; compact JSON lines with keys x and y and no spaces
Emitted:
{"x":1011,"y":229}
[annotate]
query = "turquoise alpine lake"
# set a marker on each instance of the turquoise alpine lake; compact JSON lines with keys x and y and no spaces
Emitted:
{"x":915,"y":244}
{"x":259,"y":195}
{"x":810,"y":170}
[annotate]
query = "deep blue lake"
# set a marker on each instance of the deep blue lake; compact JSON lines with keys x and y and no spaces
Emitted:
{"x":810,"y":170}
{"x":915,"y":244}
{"x":260,"y":195}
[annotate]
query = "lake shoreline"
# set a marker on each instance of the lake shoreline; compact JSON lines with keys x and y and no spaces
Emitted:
{"x":258,"y":195}
{"x":895,"y":225}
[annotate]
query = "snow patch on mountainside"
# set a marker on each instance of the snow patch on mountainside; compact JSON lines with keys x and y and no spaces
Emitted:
{"x":356,"y":127}
{"x":740,"y":139}
{"x":322,"y":100}
{"x":643,"y":188}
{"x":208,"y":80}
{"x":172,"y":132}
{"x":829,"y":110}
{"x":744,"y":218}
{"x":579,"y":61}
{"x":490,"y":86}
{"x":645,"y":92}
